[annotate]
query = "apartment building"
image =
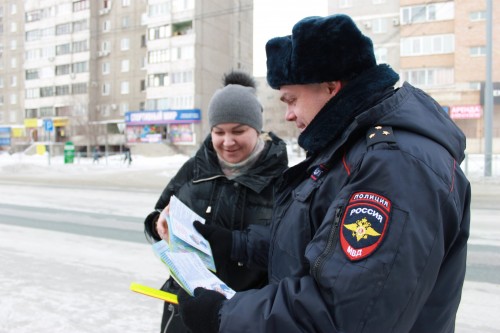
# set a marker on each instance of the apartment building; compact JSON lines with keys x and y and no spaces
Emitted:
{"x":440,"y":47}
{"x":109,"y":72}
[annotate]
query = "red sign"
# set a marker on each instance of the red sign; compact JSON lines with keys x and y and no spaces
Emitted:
{"x":466,"y":111}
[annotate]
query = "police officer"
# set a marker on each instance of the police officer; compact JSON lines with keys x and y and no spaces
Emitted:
{"x":369,"y":232}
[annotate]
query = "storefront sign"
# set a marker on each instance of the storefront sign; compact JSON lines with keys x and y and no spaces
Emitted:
{"x":33,"y":123}
{"x":162,"y":117}
{"x":466,"y":112}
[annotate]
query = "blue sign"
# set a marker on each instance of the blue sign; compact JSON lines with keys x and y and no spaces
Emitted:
{"x":162,"y":117}
{"x":49,"y":125}
{"x":4,"y":141}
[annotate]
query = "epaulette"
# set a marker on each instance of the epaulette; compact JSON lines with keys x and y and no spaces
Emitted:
{"x":380,"y":134}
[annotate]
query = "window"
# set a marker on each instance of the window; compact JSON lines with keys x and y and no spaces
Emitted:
{"x":80,"y":25}
{"x":64,"y":8}
{"x":32,"y":35}
{"x":125,"y":3}
{"x":13,"y":44}
{"x":184,"y":52}
{"x":47,"y":32}
{"x":125,"y":21}
{"x":32,"y":74}
{"x":63,"y":29}
{"x":106,"y":89}
{"x":62,"y":90}
{"x":124,"y":108}
{"x":182,"y":28}
{"x":158,"y":80}
{"x":32,"y":93}
{"x":180,"y":5}
{"x":379,"y":25}
{"x":158,"y":56}
{"x":106,"y":68}
{"x":125,"y":44}
{"x":182,"y":77}
{"x":80,"y":67}
{"x":63,"y":111}
{"x":477,"y":16}
{"x":182,"y":102}
{"x":13,"y":99}
{"x":13,"y":27}
{"x":427,"y":45}
{"x":47,"y":111}
{"x":106,"y":26}
{"x":427,"y":13}
{"x":30,"y":113}
{"x":124,"y":88}
{"x":106,"y":46}
{"x":475,"y":86}
{"x":13,"y":63}
{"x":159,"y":32}
{"x":32,"y":54}
{"x":81,"y":5}
{"x":81,"y":46}
{"x":13,"y":81}
{"x":125,"y":65}
{"x":33,"y":16}
{"x":428,"y":77}
{"x":477,"y":51}
{"x":63,"y":49}
{"x":46,"y":91}
{"x":63,"y":69}
{"x":79,"y":88}
{"x":158,"y":10}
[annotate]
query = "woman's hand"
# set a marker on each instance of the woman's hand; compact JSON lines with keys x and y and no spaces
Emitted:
{"x":161,"y":224}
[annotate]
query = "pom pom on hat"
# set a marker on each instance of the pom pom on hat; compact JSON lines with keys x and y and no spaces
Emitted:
{"x":236,"y":102}
{"x":320,"y":49}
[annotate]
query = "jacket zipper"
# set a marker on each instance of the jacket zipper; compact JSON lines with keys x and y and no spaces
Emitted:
{"x":330,"y":246}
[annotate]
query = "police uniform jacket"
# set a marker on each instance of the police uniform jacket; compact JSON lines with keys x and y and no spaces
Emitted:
{"x":369,"y":232}
{"x":232,"y":204}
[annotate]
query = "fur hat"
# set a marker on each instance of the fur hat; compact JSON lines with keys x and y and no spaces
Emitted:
{"x":236,"y":102}
{"x":320,"y":49}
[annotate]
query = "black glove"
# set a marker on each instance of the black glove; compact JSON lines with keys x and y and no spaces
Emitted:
{"x":221,"y":242}
{"x":200,"y":313}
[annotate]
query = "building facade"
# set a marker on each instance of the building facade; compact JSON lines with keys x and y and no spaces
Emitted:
{"x":113,"y":72}
{"x":439,"y":46}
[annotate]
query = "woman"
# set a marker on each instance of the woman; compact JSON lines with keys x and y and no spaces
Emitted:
{"x":229,"y":181}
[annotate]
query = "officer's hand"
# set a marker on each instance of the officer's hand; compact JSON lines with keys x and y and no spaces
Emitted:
{"x":220,"y":239}
{"x":200,"y":313}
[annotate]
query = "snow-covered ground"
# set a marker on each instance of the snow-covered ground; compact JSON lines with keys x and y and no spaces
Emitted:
{"x":58,"y":282}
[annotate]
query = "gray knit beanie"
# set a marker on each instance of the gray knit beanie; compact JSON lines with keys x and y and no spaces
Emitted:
{"x":236,"y":102}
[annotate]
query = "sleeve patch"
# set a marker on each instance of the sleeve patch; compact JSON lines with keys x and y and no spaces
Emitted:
{"x":364,"y":224}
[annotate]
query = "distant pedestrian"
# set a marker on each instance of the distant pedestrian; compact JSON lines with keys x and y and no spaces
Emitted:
{"x":96,"y":155}
{"x":128,"y":155}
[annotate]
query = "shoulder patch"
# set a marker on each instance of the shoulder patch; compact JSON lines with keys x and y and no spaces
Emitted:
{"x":379,"y":134}
{"x":364,"y":224}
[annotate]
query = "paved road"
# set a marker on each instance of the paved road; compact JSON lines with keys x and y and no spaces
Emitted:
{"x":69,"y":253}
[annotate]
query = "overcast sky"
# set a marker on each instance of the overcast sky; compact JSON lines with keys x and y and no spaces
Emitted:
{"x":274,"y":18}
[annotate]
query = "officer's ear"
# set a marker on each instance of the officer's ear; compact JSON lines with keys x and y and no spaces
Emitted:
{"x":334,"y":87}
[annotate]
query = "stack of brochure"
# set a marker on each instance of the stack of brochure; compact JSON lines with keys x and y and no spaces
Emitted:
{"x":187,"y":254}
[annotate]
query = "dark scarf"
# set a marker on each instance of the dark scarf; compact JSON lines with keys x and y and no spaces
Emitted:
{"x":357,"y":96}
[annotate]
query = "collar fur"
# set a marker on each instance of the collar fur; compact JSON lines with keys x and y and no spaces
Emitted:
{"x":357,"y":96}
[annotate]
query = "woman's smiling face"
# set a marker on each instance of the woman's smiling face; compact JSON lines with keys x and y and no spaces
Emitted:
{"x":234,"y":142}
